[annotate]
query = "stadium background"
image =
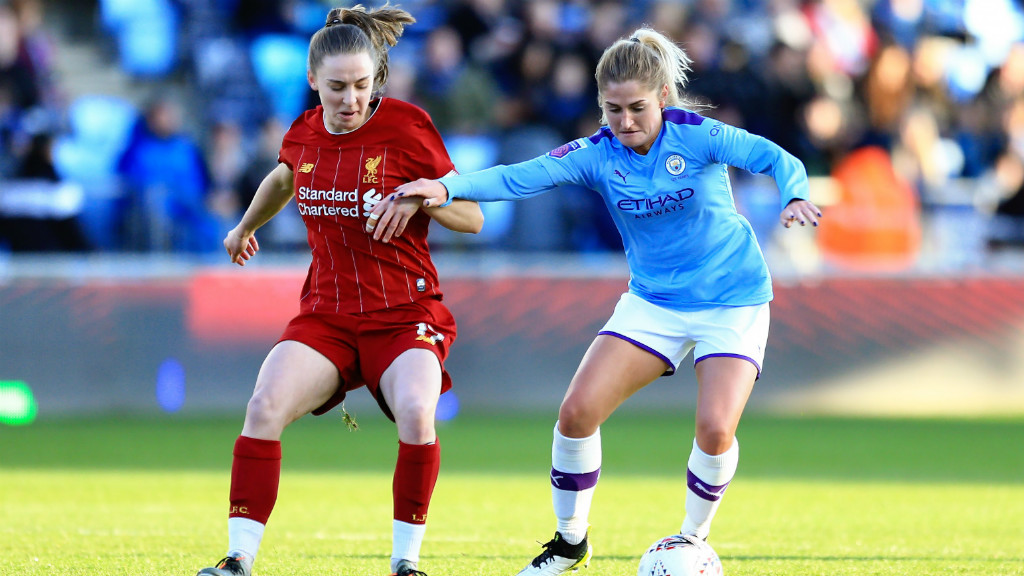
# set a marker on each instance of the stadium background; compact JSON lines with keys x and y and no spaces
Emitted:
{"x":192,"y":340}
{"x":910,"y":300}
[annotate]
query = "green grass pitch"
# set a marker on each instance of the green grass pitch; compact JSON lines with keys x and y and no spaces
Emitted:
{"x":813,"y":496}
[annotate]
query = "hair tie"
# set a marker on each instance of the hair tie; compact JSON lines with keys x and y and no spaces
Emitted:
{"x":334,"y":21}
{"x":634,"y":39}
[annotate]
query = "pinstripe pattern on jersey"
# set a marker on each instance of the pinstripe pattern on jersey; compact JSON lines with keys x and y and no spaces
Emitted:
{"x":342,"y":176}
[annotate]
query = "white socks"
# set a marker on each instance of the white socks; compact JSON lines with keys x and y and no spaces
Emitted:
{"x":244,"y":536}
{"x":406,"y":541}
{"x":707,"y":477}
{"x":575,"y":468}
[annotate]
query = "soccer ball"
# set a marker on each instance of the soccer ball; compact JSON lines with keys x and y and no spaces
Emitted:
{"x":680,"y":555}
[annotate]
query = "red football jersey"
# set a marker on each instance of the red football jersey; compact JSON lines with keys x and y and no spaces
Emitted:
{"x":338,"y":180}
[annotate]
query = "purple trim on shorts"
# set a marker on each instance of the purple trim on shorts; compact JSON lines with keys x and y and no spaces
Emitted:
{"x":706,"y":491}
{"x":724,"y":355}
{"x":671,"y":367}
{"x":574,"y":482}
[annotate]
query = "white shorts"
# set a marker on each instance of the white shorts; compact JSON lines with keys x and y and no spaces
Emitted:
{"x":733,"y":331}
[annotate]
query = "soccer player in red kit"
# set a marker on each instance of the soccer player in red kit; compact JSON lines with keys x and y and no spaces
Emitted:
{"x":371,"y":312}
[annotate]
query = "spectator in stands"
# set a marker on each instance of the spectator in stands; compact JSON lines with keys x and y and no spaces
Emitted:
{"x":167,"y":182}
{"x":569,"y":96}
{"x":16,"y":74}
{"x":458,"y":95}
{"x":20,"y":96}
{"x":286,"y":230}
{"x":1007,"y":230}
{"x":226,"y":157}
{"x":46,"y":217}
{"x":37,"y":49}
{"x":488,"y":32}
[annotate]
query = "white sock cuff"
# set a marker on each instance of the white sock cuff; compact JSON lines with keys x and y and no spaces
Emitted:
{"x":577,"y":444}
{"x":576,"y":455}
{"x":703,"y":464}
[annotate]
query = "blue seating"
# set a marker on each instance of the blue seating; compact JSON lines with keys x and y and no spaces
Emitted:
{"x":149,"y":48}
{"x":279,"y":61}
{"x":100,"y":127}
{"x":99,"y":130}
{"x":146,"y":33}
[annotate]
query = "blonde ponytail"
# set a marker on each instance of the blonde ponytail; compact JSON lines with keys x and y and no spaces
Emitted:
{"x":650,"y":59}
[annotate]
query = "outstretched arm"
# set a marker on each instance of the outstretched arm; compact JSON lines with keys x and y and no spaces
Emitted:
{"x":512,"y":182}
{"x":272,"y":195}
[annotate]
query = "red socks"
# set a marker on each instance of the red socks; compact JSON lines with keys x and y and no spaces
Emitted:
{"x":415,"y":477}
{"x":255,"y":476}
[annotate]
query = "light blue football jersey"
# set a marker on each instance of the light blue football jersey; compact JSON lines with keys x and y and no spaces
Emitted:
{"x":686,"y":245}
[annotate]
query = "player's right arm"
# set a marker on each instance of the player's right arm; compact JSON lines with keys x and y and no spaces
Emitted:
{"x":272,"y":195}
{"x":512,"y":182}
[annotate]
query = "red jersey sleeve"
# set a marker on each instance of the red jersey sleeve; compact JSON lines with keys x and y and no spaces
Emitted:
{"x":428,"y":154}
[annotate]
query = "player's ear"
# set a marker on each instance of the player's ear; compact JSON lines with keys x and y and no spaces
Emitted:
{"x":311,"y":79}
{"x":663,"y":98}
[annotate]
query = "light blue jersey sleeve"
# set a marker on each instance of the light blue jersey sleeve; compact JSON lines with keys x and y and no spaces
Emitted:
{"x":739,"y":148}
{"x":567,"y":164}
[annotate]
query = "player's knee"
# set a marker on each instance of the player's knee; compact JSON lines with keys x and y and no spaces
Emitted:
{"x":416,"y":430}
{"x":714,"y":439}
{"x":576,"y":421}
{"x":415,"y":420}
{"x":263,"y":412}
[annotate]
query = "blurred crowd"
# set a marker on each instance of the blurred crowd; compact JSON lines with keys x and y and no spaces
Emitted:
{"x":933,"y":88}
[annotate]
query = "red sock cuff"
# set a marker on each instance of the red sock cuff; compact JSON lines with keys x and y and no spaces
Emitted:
{"x":246,"y":447}
{"x":419,"y":453}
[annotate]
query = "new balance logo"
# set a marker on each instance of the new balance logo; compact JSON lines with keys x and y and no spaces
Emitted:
{"x":306,"y":167}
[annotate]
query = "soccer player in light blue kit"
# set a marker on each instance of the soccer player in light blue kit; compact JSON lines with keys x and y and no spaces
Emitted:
{"x":698,"y":280}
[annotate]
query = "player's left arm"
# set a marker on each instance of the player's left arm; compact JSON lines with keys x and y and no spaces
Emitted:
{"x":737,"y":147}
{"x":459,"y":216}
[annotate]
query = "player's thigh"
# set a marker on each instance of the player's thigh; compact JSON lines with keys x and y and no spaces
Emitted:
{"x":611,"y":371}
{"x":724,"y":385}
{"x":412,"y":382}
{"x":293,"y":380}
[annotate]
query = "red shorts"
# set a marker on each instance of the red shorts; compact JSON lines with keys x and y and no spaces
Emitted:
{"x":362,"y":346}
